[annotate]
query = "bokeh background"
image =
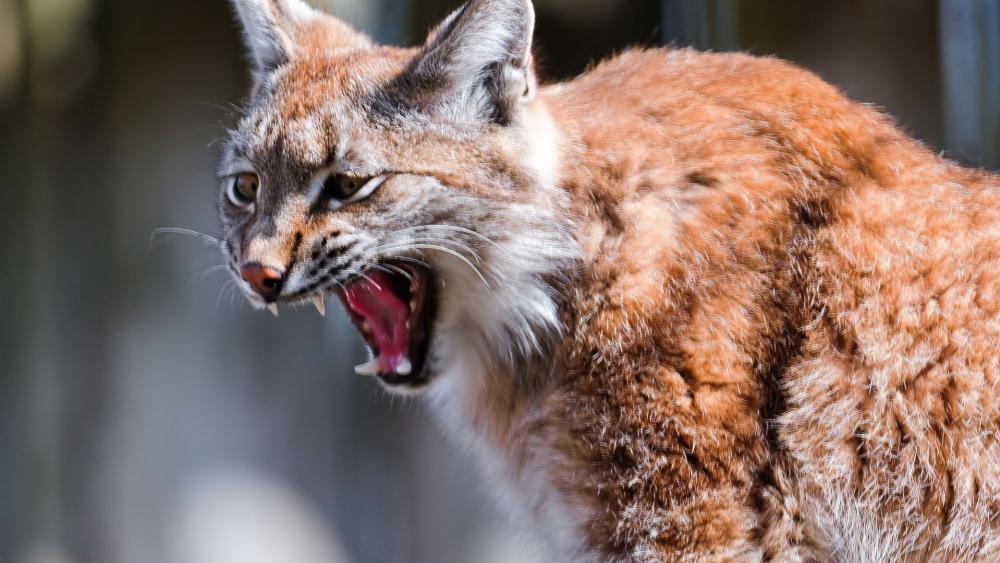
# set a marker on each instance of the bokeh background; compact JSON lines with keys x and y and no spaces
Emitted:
{"x":147,"y":415}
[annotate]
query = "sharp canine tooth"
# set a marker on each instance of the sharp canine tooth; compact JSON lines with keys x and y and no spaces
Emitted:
{"x":371,"y":368}
{"x":273,"y":307}
{"x":413,"y":305}
{"x":320,"y":305}
{"x":404,"y":367}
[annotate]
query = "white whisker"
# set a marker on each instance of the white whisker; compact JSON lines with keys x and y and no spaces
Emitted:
{"x":212,"y":270}
{"x":412,"y":260}
{"x":439,"y":249}
{"x":222,"y":290}
{"x":438,"y":240}
{"x":389,"y":269}
{"x":371,"y":281}
{"x":451,"y":228}
{"x":399,"y":271}
{"x":162,"y":231}
{"x":234,"y":294}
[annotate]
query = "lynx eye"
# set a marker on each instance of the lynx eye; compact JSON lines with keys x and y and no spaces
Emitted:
{"x":341,"y":188}
{"x":243,"y":189}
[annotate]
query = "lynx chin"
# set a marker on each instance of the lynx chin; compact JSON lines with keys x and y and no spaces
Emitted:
{"x":685,"y":307}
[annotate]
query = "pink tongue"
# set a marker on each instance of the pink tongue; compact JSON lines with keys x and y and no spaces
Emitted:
{"x":386,"y":314}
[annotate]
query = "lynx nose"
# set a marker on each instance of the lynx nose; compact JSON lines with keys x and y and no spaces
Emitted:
{"x":265,"y":281}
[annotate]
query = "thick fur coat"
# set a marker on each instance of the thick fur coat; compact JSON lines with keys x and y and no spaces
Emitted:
{"x":690,"y":307}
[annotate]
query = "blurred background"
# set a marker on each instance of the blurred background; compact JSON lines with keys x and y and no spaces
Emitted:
{"x":147,"y":415}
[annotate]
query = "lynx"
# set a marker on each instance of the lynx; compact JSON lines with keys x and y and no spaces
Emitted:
{"x":685,"y":307}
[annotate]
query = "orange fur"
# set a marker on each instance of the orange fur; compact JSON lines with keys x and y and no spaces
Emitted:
{"x":779,"y":331}
{"x":792,"y":305}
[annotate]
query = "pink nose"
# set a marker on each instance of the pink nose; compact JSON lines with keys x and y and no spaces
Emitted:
{"x":265,"y":281}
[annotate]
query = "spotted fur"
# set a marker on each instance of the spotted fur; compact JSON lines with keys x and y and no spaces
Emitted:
{"x":692,"y":307}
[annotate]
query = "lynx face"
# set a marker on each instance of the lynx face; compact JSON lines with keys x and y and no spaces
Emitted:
{"x":416,"y":185}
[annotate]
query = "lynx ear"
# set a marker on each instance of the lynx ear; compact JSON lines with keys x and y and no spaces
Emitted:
{"x":477,"y":64}
{"x":275,"y":31}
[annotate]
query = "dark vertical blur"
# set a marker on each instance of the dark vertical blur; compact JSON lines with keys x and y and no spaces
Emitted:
{"x":702,"y":24}
{"x":147,"y":416}
{"x":970,"y":34}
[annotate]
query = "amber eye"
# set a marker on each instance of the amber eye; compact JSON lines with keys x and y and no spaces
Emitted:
{"x":343,"y":188}
{"x":243,"y":190}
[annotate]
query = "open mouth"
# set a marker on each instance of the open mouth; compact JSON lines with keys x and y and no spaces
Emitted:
{"x":393,"y":310}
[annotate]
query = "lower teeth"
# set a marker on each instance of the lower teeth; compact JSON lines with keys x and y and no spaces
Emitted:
{"x":373,"y":367}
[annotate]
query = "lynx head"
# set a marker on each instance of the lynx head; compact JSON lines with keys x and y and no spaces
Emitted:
{"x":417,"y":185}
